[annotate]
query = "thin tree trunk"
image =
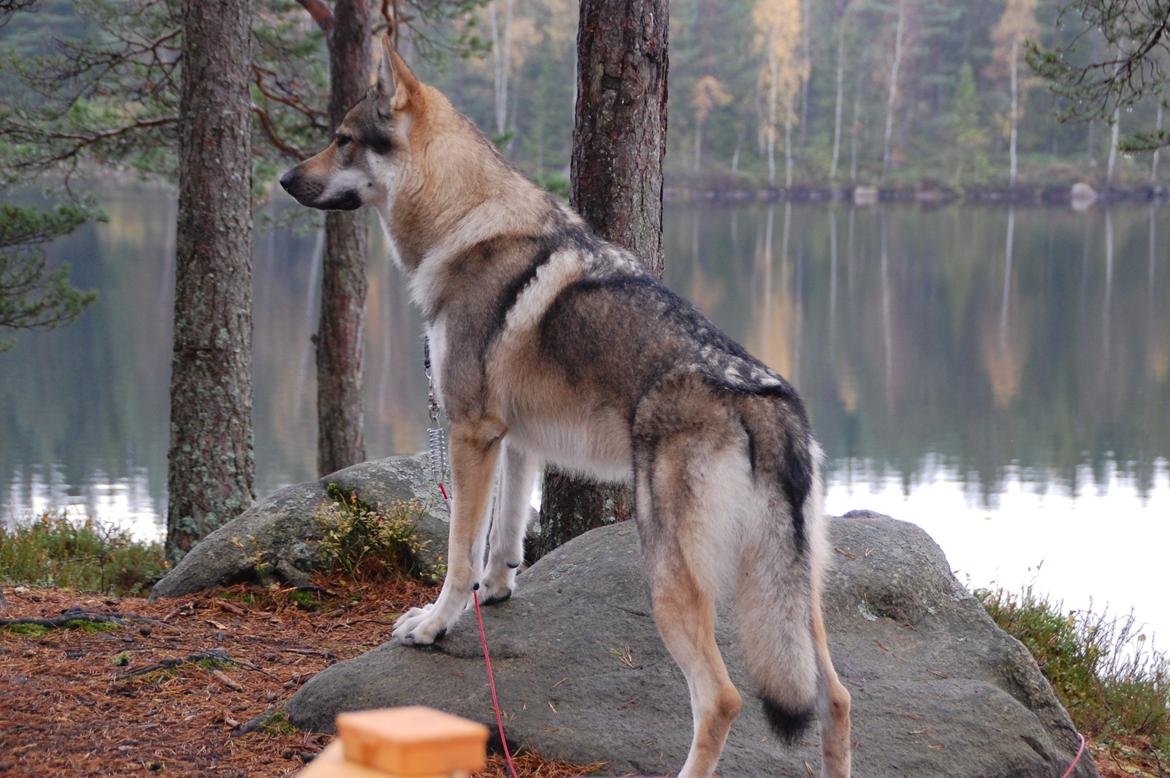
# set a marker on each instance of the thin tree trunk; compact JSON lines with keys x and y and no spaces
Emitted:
{"x":1015,"y":78}
{"x":501,"y":61}
{"x":806,"y":48}
{"x":210,"y":462}
{"x":840,"y":98}
{"x":619,"y":141}
{"x":698,"y":158}
{"x":340,"y":331}
{"x":1154,"y":160}
{"x":855,"y":128}
{"x":788,"y":148}
{"x":1115,"y":134}
{"x":892,"y":100}
{"x":773,"y":89}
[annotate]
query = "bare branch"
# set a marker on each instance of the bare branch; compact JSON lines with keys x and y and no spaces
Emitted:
{"x":321,"y":14}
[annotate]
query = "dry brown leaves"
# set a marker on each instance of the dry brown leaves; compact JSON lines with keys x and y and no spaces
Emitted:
{"x":74,"y":702}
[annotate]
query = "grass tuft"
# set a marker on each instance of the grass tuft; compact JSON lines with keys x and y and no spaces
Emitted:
{"x":55,"y":550}
{"x":1114,"y":683}
{"x":365,"y":544}
{"x":278,"y":724}
{"x":27,"y":630}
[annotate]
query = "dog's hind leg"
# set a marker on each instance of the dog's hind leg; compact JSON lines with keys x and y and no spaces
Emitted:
{"x":683,"y":597}
{"x":833,"y":703}
{"x":506,"y":550}
{"x":475,"y":449}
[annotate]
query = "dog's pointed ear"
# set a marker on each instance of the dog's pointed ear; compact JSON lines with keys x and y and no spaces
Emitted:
{"x":396,"y":84}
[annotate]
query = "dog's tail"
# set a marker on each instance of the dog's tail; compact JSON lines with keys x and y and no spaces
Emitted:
{"x":780,"y":559}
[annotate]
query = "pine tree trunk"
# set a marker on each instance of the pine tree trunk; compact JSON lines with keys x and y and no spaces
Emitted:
{"x":211,"y":469}
{"x":340,"y":348}
{"x":619,"y":141}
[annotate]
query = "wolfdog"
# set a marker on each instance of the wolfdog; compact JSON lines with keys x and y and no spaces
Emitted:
{"x":551,"y":345}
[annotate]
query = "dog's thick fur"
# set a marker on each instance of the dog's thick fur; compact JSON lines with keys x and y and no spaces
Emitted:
{"x":552,"y":345}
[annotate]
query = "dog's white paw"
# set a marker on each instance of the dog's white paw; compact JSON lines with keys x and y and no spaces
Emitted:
{"x":420,"y":626}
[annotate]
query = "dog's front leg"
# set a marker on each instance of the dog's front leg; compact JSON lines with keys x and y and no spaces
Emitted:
{"x":475,"y":447}
{"x":506,"y":552}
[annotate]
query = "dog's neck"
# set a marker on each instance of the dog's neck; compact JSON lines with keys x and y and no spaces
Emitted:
{"x":468,"y":197}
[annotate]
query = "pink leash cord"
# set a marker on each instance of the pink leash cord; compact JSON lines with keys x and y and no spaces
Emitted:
{"x":487,"y":659}
{"x":1076,"y":759}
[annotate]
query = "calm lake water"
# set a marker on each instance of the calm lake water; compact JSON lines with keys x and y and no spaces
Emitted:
{"x":1000,"y":377}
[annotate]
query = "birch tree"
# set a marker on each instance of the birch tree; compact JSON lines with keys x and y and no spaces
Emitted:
{"x":842,"y":29}
{"x":782,"y":72}
{"x":707,"y":94}
{"x":892,"y":95}
{"x":500,"y":25}
{"x":1016,"y":25}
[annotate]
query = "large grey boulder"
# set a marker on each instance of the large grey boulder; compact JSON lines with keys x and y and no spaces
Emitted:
{"x":278,"y":536}
{"x":938,"y":689}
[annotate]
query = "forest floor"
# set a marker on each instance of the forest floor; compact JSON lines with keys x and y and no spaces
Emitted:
{"x":184,"y":687}
{"x":188,"y":687}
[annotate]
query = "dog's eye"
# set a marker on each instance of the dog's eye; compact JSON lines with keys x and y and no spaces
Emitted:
{"x":342,"y":140}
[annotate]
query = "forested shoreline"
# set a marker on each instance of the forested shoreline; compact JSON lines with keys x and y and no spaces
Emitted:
{"x":766,"y":96}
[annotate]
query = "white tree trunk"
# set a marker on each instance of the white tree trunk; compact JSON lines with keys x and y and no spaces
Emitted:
{"x":773,"y":87}
{"x":892,"y":100}
{"x":1154,"y":161}
{"x":840,"y":97}
{"x":1015,"y":73}
{"x":806,"y":46}
{"x":1116,"y":132}
{"x":855,"y":128}
{"x":698,"y":146}
{"x":501,"y":60}
{"x":788,"y":147}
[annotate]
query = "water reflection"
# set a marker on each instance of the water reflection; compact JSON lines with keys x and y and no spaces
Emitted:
{"x":959,"y":363}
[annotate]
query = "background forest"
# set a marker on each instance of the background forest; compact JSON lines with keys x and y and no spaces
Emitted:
{"x":896,"y":92}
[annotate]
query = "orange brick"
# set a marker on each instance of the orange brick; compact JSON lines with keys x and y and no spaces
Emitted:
{"x":413,"y":742}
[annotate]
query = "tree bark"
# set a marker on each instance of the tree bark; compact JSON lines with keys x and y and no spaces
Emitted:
{"x":211,"y":470}
{"x":619,"y":141}
{"x":340,"y":343}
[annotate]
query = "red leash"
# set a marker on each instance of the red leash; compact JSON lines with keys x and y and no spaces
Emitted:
{"x":492,"y":683}
{"x":487,"y":659}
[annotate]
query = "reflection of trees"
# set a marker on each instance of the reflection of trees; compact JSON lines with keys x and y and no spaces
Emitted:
{"x":961,"y":385}
{"x":943,"y":348}
{"x":1003,"y":349}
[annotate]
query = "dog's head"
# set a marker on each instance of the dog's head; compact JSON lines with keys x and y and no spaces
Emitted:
{"x":363,"y":163}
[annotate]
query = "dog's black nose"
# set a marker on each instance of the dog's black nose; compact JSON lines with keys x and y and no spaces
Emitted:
{"x":287,"y":179}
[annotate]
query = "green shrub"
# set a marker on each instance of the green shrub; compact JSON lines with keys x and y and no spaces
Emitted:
{"x":1104,"y":670}
{"x":54,"y":550}
{"x":364,"y":543}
